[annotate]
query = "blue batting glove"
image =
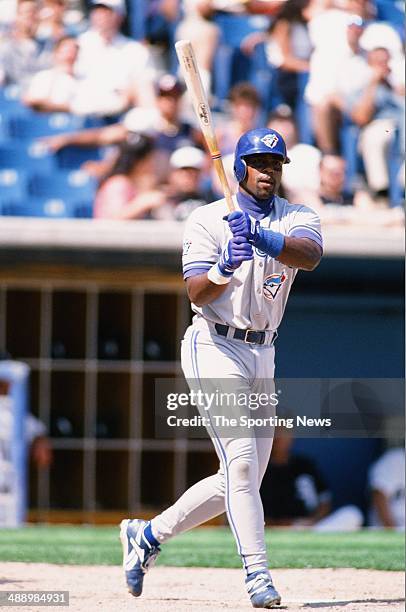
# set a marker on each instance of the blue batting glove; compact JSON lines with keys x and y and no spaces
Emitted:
{"x":241,"y":224}
{"x":268,"y":241}
{"x":234,"y":253}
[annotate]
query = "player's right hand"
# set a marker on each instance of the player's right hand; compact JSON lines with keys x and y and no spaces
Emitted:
{"x":235,"y":252}
{"x":241,"y":224}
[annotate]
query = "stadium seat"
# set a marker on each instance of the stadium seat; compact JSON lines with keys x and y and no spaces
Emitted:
{"x":230,"y":64}
{"x":393,"y":12}
{"x":84,"y":209}
{"x":73,"y":157}
{"x":73,"y":185}
{"x":234,"y":28}
{"x":13,"y":183}
{"x":10,"y":101}
{"x":303,"y":113}
{"x":34,"y":125}
{"x":38,"y":207}
{"x":10,"y":106}
{"x":222,"y":73}
{"x":30,"y":156}
{"x":263,"y":77}
{"x":4,"y":136}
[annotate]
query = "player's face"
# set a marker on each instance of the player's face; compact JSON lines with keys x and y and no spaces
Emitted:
{"x":264,"y":174}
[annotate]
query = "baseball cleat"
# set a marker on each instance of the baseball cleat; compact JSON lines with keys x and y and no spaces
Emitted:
{"x":262,"y":591}
{"x":138,"y":554}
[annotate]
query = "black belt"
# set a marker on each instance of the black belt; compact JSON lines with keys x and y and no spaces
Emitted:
{"x":247,"y":335}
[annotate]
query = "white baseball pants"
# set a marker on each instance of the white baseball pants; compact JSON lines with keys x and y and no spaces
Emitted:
{"x":210,"y":362}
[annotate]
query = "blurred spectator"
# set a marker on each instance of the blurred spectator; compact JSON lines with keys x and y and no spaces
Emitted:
{"x":8,"y":10}
{"x":160,"y":22}
{"x":288,"y":47}
{"x":376,"y":104}
{"x":301,"y":177}
{"x":352,"y":66}
{"x":54,"y":89}
{"x":204,"y":35}
{"x":292,"y":489}
{"x":378,"y":34}
{"x":215,"y":184}
{"x":332,"y":181}
{"x":328,"y":34}
{"x":21,"y":54}
{"x":40,"y":449}
{"x":184,"y":190}
{"x":387,"y":484}
{"x":244,"y":108}
{"x":243,"y":7}
{"x":349,"y":71}
{"x":198,"y":25}
{"x":331,"y":188}
{"x":294,"y":492}
{"x":116,"y":69}
{"x":317,"y":180}
{"x":129,"y":190}
{"x":51,"y":26}
{"x":164,"y":123}
{"x":172,"y":130}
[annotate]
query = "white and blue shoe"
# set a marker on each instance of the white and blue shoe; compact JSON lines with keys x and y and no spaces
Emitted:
{"x":138,"y":553}
{"x":261,"y":590}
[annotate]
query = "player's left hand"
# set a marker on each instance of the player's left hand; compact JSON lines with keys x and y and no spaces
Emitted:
{"x":241,"y":224}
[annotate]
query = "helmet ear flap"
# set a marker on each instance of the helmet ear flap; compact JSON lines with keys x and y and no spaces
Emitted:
{"x":240,"y":169}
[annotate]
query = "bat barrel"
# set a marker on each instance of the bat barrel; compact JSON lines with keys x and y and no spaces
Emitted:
{"x":191,"y":73}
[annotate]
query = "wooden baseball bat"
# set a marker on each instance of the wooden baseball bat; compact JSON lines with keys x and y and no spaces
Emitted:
{"x":200,"y":103}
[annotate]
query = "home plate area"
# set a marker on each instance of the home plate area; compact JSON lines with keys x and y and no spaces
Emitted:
{"x":172,"y":589}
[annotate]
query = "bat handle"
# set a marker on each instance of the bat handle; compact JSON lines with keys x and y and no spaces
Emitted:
{"x":218,"y":165}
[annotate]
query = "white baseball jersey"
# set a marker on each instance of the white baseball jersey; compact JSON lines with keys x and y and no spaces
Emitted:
{"x":257,"y":294}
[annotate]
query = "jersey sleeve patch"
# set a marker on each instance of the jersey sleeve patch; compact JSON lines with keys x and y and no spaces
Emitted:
{"x":200,"y":249}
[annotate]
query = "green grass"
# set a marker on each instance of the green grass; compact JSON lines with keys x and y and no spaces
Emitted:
{"x":212,"y":547}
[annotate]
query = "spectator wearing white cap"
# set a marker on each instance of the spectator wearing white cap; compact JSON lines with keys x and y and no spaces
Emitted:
{"x":115,"y":67}
{"x":172,"y":131}
{"x":184,"y":191}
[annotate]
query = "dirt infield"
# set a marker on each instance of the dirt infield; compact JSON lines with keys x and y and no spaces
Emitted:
{"x":101,"y":588}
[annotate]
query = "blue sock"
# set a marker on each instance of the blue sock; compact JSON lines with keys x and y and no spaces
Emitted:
{"x":148,"y":534}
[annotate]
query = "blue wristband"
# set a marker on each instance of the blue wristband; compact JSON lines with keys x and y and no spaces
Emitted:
{"x":269,"y":242}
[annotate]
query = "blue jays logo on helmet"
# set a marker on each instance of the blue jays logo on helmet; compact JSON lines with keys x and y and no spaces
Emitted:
{"x":272,"y":284}
{"x":270,"y":140}
{"x":260,"y":140}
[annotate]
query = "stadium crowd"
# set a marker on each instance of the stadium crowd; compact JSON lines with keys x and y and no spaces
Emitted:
{"x":95,"y":120}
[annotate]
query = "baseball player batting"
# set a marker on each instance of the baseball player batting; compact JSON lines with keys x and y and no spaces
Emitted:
{"x":239,"y":268}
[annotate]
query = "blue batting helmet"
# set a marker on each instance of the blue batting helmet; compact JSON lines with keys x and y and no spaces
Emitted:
{"x":260,"y":140}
